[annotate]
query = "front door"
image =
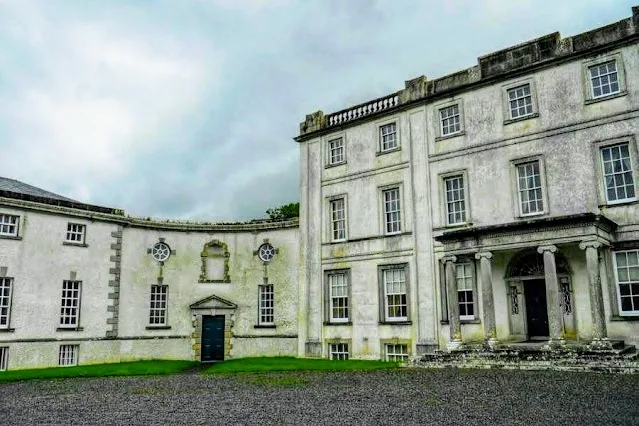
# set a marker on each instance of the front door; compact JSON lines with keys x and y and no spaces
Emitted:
{"x":536,"y":309}
{"x":212,"y":338}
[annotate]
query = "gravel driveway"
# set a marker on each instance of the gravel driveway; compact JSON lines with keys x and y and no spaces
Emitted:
{"x":398,"y":397}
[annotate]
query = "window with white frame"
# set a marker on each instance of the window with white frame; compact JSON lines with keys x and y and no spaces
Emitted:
{"x":338,"y":351}
{"x":70,"y":306}
{"x":75,"y":233}
{"x":266,"y":303}
{"x":4,"y":358}
{"x":388,"y":137}
{"x":9,"y":225}
{"x":520,"y":101}
{"x":627,"y":276}
{"x":464,"y":279}
{"x":455,"y":200}
{"x":617,"y":173}
{"x":395,"y":293}
{"x":450,"y":122}
{"x":604,"y":79}
{"x":5,"y":301}
{"x":529,"y":188}
{"x":68,"y":355}
{"x":338,"y":296}
{"x":159,"y":298}
{"x":338,"y":219}
{"x":396,"y":352}
{"x":392,"y":211}
{"x":336,"y":151}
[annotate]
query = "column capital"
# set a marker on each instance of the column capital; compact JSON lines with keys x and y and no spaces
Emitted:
{"x":589,"y":244}
{"x":449,"y":259}
{"x":484,"y":254}
{"x":551,"y":248}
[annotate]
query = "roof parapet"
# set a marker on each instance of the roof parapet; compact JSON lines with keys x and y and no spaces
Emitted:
{"x":516,"y":58}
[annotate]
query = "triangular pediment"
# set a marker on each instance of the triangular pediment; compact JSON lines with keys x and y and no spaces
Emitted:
{"x":213,"y":302}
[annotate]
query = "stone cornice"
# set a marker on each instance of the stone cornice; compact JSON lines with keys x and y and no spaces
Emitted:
{"x":168,"y":225}
{"x":524,"y":58}
{"x":534,"y":225}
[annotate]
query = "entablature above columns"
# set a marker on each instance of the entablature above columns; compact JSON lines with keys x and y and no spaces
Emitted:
{"x":575,"y":229}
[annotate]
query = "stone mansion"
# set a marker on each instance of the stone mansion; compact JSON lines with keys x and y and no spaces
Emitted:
{"x":496,"y":204}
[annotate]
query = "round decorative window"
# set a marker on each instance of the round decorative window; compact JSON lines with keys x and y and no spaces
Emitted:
{"x":161,"y":252}
{"x":266,"y":252}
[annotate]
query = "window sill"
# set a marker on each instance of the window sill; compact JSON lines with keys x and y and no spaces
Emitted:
{"x":158,"y":327}
{"x":450,"y":136}
{"x":338,"y":323}
{"x":531,"y":216}
{"x":329,"y":166}
{"x":618,"y":203}
{"x":388,"y":151}
{"x":71,"y":243}
{"x":474,"y":321}
{"x":625,"y":317}
{"x":10,"y":237}
{"x":264,"y":326}
{"x":387,"y":322}
{"x":7,"y":330}
{"x":524,"y":118}
{"x":70,"y":329}
{"x":605,"y":98}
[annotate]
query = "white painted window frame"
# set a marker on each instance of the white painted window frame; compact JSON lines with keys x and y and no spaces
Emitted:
{"x":335,"y":222}
{"x":470,"y":267}
{"x":506,"y":88}
{"x":4,"y":358}
{"x":9,"y":225}
{"x":70,"y":304}
{"x":266,"y":304}
{"x":527,"y":190}
{"x":623,"y":313}
{"x":380,"y":126}
{"x":632,"y":172}
{"x":462,"y":200}
{"x":339,"y":351}
{"x":588,"y":89}
{"x":385,"y":294}
{"x":345,"y":277}
{"x":68,"y":355}
{"x":516,"y":193}
{"x":597,"y":147}
{"x":158,"y":307}
{"x":444,"y":128}
{"x":397,"y":352}
{"x":6,"y":286}
{"x":336,"y":146}
{"x":399,"y":210}
{"x":76,"y":233}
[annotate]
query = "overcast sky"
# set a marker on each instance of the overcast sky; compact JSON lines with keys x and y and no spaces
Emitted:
{"x":186,"y":109}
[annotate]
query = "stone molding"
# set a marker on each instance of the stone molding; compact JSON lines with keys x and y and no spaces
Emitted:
{"x":551,"y":248}
{"x":113,"y":307}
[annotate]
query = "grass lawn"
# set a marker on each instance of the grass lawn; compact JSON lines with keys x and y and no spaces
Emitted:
{"x":135,"y":368}
{"x":265,"y":364}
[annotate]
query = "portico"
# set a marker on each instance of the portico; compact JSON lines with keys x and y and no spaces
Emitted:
{"x":535,"y":280}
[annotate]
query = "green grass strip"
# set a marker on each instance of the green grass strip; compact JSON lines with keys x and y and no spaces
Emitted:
{"x":263,"y":364}
{"x":135,"y":368}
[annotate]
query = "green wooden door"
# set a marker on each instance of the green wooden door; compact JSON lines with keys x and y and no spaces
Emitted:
{"x":212,"y":338}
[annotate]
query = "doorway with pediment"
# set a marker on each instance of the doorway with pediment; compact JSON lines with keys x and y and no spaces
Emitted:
{"x":527,"y":296}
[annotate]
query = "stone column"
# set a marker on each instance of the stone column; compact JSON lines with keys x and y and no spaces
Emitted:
{"x":599,"y":332}
{"x":486,"y":271}
{"x":555,"y":314}
{"x":453,"y":303}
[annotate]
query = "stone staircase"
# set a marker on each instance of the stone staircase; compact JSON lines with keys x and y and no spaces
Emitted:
{"x":620,"y":358}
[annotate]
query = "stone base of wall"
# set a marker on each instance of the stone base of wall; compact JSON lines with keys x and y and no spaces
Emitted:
{"x":264,"y":346}
{"x":23,"y":355}
{"x":579,"y":358}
